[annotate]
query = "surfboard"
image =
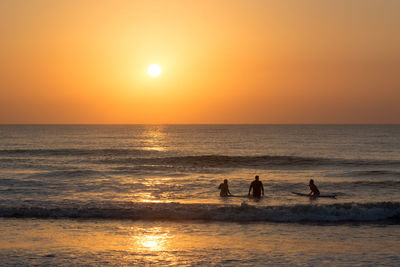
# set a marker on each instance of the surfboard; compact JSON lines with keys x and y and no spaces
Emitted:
{"x":307,"y":195}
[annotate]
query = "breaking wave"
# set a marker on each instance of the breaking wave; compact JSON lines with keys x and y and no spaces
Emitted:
{"x":333,"y":213}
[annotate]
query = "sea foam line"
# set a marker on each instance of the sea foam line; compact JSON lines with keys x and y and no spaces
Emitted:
{"x":347,"y":212}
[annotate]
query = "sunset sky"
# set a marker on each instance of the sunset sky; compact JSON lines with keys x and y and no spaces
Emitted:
{"x":222,"y":61}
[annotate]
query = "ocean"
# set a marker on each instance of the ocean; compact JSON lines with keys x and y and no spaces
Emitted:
{"x":148,"y":195}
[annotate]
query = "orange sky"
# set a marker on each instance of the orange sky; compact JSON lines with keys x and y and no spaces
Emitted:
{"x":223,"y":61}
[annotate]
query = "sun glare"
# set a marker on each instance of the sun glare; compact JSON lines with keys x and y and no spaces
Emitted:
{"x":154,"y":70}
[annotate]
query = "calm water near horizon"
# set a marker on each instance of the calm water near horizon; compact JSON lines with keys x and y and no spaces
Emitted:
{"x":147,"y":194}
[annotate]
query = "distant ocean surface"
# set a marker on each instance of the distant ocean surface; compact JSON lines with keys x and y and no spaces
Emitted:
{"x":133,"y":181}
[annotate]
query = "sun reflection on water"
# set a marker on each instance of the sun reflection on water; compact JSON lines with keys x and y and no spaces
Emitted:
{"x":152,"y":242}
{"x":153,"y":239}
{"x":154,"y":139}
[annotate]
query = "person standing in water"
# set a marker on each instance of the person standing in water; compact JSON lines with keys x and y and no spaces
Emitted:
{"x":224,"y":189}
{"x":314,"y":190}
{"x":257,"y":187}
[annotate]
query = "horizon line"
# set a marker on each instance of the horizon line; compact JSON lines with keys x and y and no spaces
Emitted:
{"x":55,"y":124}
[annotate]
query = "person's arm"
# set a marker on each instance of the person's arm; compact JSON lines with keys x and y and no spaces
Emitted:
{"x":229,"y":193}
{"x":262,"y":189}
{"x":251,"y":185}
{"x":219,"y":187}
{"x":316,"y":191}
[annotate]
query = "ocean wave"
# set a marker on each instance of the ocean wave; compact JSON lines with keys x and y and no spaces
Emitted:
{"x":374,"y":173}
{"x":260,"y":162}
{"x":333,"y":213}
{"x":377,"y":184}
{"x":75,"y":152}
{"x":146,"y":158}
{"x":77,"y":173}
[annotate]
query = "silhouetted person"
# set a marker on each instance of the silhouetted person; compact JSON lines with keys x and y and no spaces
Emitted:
{"x":314,"y":190}
{"x":224,"y":189}
{"x":257,"y":187}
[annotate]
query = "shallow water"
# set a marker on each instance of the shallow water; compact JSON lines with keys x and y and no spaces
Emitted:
{"x":102,"y":242}
{"x":91,"y":180}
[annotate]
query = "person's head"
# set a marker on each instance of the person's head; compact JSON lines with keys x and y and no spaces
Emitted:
{"x":225,"y":181}
{"x":257,"y":178}
{"x":311,"y":181}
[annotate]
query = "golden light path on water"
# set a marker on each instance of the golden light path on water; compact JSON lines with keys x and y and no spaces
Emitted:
{"x":155,"y":139}
{"x":153,"y":239}
{"x":191,"y":243}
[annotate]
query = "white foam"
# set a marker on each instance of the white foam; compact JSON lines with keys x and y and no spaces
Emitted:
{"x":368,"y":212}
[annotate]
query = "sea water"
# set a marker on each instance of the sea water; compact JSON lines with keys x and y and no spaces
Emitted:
{"x":147,"y":194}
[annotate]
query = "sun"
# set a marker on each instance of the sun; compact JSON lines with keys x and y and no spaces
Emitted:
{"x":154,"y":70}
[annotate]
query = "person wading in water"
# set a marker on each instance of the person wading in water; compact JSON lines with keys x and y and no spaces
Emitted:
{"x":257,"y":187}
{"x":224,"y":189}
